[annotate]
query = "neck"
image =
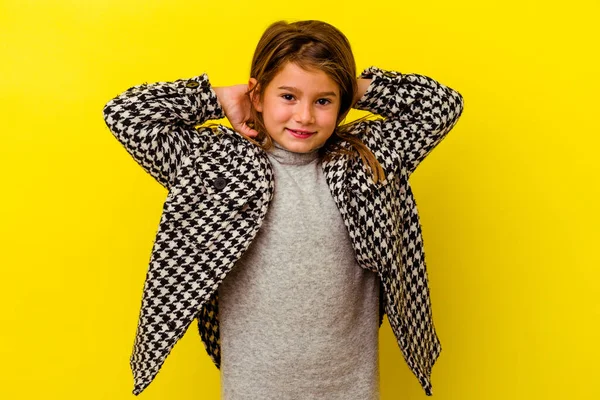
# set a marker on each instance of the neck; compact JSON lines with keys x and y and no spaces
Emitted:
{"x":285,"y":156}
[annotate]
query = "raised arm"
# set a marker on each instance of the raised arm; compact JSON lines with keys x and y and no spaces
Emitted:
{"x":155,"y":122}
{"x":419,"y":111}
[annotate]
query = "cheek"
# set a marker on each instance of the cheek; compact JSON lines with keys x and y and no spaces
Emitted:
{"x":276,"y":113}
{"x":328,"y":119}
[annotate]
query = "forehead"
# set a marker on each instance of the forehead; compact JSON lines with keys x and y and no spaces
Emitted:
{"x":306,"y":81}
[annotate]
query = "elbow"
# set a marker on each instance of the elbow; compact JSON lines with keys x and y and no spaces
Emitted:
{"x":455,"y":106}
{"x":112,"y":113}
{"x":459,"y":103}
{"x":451,"y":110}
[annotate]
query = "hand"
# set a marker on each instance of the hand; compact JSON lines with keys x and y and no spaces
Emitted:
{"x":363,"y":85}
{"x":236,"y":105}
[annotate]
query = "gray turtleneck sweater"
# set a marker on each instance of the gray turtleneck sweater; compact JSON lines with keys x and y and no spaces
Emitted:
{"x":298,"y":316}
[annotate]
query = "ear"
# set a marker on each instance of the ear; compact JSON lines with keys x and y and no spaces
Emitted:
{"x":254,"y":96}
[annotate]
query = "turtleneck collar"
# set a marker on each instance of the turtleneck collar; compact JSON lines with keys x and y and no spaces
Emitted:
{"x":284,"y":156}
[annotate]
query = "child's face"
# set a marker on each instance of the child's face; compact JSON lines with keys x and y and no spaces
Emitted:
{"x":299,"y":100}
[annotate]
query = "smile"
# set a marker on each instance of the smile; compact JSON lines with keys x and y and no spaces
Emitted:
{"x":300,"y":134}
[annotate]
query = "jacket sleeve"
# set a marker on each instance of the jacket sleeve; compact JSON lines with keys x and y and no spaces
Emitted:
{"x":419,"y":111}
{"x":155,"y":122}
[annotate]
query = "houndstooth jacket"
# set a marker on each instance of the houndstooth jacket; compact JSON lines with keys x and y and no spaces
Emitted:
{"x":219,"y":188}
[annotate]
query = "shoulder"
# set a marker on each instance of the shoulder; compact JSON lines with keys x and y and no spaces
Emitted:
{"x":221,"y":138}
{"x":221,"y":144}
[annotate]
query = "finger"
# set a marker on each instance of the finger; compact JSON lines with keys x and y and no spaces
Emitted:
{"x":241,"y":129}
{"x":246,"y":130}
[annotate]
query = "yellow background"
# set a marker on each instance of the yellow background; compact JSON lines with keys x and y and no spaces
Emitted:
{"x":508,"y":201}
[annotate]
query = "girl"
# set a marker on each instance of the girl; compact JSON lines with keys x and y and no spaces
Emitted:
{"x":289,"y":236}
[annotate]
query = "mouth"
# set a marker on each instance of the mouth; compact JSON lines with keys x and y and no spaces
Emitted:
{"x":300,"y":133}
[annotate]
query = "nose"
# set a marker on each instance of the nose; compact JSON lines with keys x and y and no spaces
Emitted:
{"x":303,"y":114}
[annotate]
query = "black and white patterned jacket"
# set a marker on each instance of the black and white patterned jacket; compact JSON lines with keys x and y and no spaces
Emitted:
{"x":219,"y":188}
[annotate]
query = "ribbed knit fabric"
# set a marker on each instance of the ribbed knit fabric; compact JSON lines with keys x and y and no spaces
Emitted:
{"x":298,"y":316}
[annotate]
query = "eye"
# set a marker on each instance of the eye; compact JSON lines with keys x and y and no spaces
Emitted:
{"x":326,"y":101}
{"x":287,"y":96}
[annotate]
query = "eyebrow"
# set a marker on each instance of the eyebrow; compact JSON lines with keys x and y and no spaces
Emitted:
{"x":293,"y":89}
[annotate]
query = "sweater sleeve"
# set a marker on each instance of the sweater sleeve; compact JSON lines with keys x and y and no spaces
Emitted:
{"x":156,"y":122}
{"x":418,"y":111}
